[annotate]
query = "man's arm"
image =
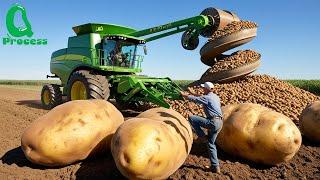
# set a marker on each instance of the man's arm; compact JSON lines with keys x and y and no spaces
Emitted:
{"x":199,"y":100}
{"x":192,"y":92}
{"x":184,"y":94}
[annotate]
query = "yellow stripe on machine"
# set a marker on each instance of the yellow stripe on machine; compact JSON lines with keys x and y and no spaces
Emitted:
{"x":72,"y":57}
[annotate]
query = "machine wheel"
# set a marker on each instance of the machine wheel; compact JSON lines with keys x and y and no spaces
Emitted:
{"x":84,"y":84}
{"x":51,"y":96}
{"x":188,"y":42}
{"x":218,"y":19}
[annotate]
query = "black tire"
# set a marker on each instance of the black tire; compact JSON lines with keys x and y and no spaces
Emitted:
{"x":97,"y":86}
{"x":55,"y":96}
{"x":188,"y":42}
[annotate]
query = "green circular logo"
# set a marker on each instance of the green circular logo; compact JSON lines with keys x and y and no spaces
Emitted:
{"x":18,"y":31}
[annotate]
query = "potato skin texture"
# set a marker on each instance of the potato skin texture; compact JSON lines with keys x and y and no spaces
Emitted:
{"x":153,"y":145}
{"x":259,"y":134}
{"x":310,"y":122}
{"x":71,"y":132}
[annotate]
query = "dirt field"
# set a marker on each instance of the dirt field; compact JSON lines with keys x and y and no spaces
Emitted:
{"x":18,"y":108}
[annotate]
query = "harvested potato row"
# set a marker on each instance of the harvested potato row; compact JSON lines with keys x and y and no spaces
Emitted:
{"x":233,"y":61}
{"x":71,"y":132}
{"x":259,"y":134}
{"x":261,"y":89}
{"x":233,"y":27}
{"x":310,"y":122}
{"x":152,"y":145}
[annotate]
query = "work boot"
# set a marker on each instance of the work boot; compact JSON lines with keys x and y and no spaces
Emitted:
{"x":214,"y":169}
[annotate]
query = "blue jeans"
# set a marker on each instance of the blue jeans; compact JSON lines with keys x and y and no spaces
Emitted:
{"x":214,"y":126}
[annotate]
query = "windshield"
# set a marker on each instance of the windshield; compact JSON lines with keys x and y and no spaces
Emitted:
{"x":121,"y":53}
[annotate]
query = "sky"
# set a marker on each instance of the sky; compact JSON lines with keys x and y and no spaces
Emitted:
{"x":288,"y":36}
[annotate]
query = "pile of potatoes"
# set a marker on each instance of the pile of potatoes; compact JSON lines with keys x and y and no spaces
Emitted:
{"x":259,"y":134}
{"x":233,"y":27}
{"x":260,"y":89}
{"x":186,"y":108}
{"x":235,"y":60}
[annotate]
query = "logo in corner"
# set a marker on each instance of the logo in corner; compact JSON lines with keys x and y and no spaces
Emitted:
{"x":18,"y":32}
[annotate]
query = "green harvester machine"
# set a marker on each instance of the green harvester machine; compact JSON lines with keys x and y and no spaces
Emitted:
{"x":102,"y":61}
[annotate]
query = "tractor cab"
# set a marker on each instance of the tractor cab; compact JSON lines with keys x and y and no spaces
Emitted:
{"x":116,"y":50}
{"x":122,"y":51}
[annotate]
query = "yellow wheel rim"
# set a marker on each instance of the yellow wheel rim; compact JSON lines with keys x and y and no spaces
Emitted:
{"x":78,"y":91}
{"x":46,"y":97}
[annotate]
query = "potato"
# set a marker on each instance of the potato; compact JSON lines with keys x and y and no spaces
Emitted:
{"x":153,"y":145}
{"x":71,"y":132}
{"x":310,"y":121}
{"x":259,"y":134}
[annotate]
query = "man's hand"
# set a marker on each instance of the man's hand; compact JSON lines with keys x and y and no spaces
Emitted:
{"x":184,"y":94}
{"x":192,"y":91}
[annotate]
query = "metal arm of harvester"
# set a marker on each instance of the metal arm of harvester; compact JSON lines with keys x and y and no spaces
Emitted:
{"x":194,"y":24}
{"x":205,"y":24}
{"x":192,"y":27}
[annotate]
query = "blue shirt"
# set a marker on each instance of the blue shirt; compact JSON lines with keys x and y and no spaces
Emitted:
{"x":210,"y":102}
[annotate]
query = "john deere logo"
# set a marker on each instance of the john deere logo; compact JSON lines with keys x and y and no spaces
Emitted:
{"x":18,"y":32}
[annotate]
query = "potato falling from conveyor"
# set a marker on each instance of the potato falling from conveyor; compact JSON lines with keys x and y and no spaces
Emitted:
{"x":228,"y":68}
{"x":225,"y":31}
{"x":229,"y":32}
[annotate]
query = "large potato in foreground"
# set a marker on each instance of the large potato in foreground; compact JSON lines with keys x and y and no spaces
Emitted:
{"x":259,"y":134}
{"x":310,"y":121}
{"x":71,"y":132}
{"x":153,"y":145}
